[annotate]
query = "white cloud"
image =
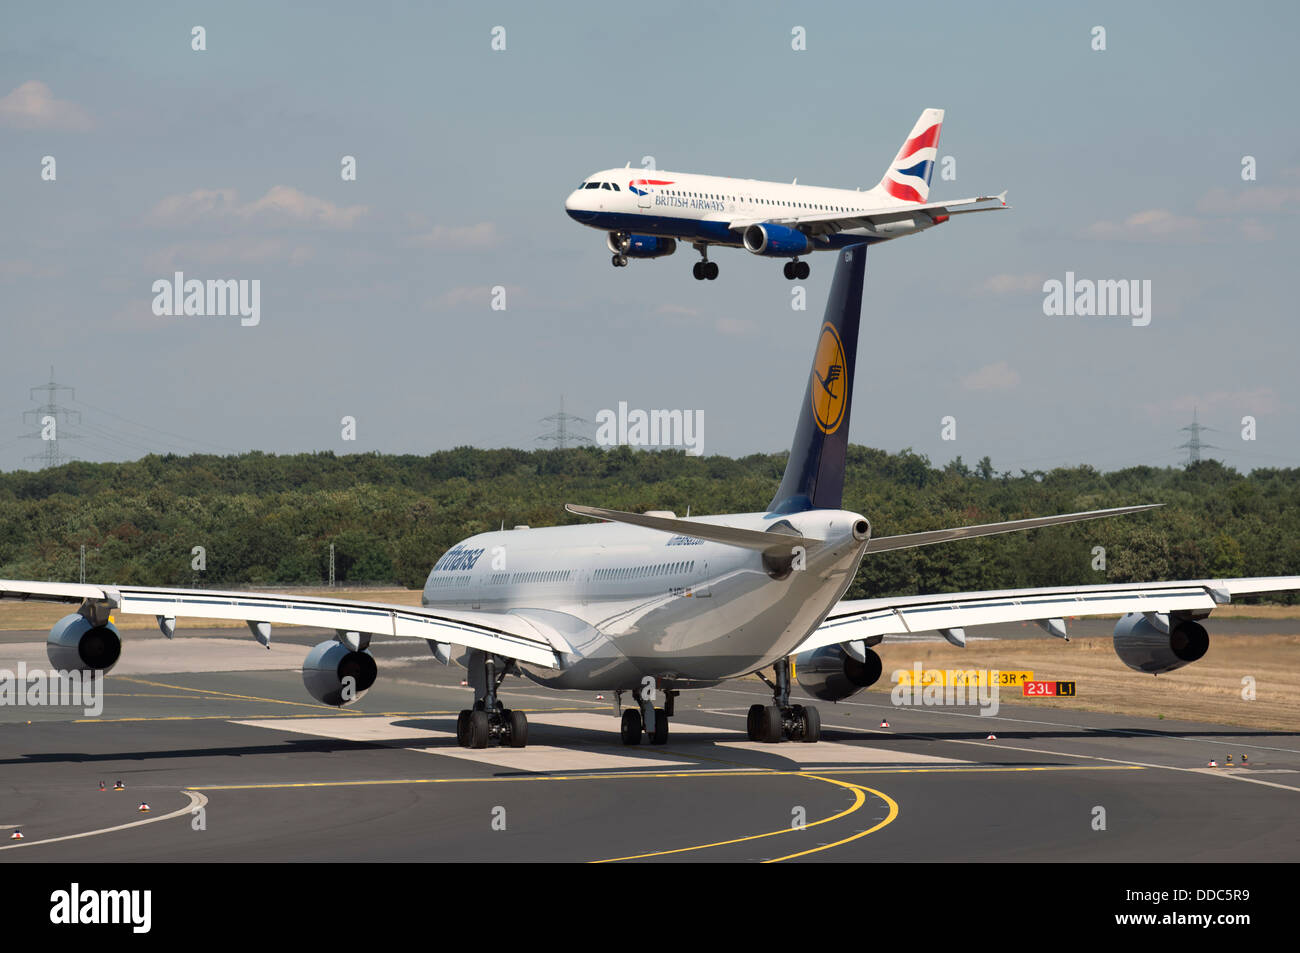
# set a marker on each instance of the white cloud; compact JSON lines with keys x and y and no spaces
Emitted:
{"x":470,"y":296}
{"x":1251,"y":198}
{"x":992,"y":377}
{"x":281,"y":205}
{"x":1217,"y":406}
{"x":452,"y":237}
{"x":190,"y":255}
{"x":1012,"y":284}
{"x":31,"y":105}
{"x":1150,"y":225}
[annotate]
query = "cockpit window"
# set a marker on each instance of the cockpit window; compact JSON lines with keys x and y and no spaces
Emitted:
{"x":593,"y":185}
{"x":616,"y":188}
{"x":606,"y":186}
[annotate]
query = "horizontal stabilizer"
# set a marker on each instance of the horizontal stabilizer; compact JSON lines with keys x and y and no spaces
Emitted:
{"x":886,"y":543}
{"x":713,"y":532}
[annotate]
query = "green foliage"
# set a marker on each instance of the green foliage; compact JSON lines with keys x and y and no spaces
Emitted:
{"x":270,"y":520}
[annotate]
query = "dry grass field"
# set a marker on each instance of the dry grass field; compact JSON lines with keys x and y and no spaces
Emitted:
{"x":1209,"y":690}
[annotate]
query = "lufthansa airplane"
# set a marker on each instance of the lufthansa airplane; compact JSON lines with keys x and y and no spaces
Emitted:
{"x":651,"y":604}
{"x":647,"y":213}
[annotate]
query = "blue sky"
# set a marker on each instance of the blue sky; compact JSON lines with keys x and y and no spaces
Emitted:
{"x":376,"y":293}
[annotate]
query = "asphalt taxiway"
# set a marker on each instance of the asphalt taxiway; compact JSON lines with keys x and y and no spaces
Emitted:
{"x":237,"y":763}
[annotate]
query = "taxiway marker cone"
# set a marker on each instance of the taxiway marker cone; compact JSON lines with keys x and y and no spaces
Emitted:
{"x":1227,"y":760}
{"x":17,"y":834}
{"x":1243,"y":759}
{"x":884,"y":723}
{"x":119,"y":786}
{"x":101,"y":786}
{"x":143,"y":808}
{"x":1212,"y":764}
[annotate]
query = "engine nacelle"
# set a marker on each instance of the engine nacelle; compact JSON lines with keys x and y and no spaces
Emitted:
{"x":1143,"y":647}
{"x":776,"y":241}
{"x":327,"y":669}
{"x":831,"y":674}
{"x":640,"y":246}
{"x":76,"y":644}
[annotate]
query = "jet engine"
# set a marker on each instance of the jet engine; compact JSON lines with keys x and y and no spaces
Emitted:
{"x":640,"y":246}
{"x":831,"y":674}
{"x":1160,"y":644}
{"x":336,"y":675}
{"x":77,"y":644}
{"x":776,"y":241}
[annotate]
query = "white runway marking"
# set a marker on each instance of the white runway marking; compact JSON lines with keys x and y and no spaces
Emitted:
{"x":832,"y":752}
{"x":541,"y":758}
{"x":605,"y":754}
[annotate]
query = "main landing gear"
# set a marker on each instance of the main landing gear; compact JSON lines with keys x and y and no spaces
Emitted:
{"x":646,"y":719}
{"x":781,"y":721}
{"x":618,"y":261}
{"x":704,"y":269}
{"x":796,"y":269}
{"x":489,"y":720}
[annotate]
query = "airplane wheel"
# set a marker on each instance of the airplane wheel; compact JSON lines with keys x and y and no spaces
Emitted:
{"x":698,"y":271}
{"x":773,"y":725}
{"x":788,"y":270}
{"x":812,"y":725}
{"x":660,"y":737}
{"x":802,"y":270}
{"x":462,"y":728}
{"x":631,"y":727}
{"x":517,"y":723}
{"x":710,"y":270}
{"x":754,"y":723}
{"x":476,"y":733}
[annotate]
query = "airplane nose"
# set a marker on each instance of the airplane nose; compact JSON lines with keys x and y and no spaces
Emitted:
{"x":575,"y":207}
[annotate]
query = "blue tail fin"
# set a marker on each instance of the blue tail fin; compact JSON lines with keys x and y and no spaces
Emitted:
{"x":814,"y":477}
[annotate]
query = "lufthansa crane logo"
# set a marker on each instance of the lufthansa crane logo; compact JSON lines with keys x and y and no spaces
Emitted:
{"x":830,"y":383}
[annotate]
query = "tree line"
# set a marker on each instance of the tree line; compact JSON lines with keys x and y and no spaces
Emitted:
{"x":268,"y":520}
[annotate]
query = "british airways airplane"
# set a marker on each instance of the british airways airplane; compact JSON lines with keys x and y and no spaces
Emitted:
{"x":647,"y":213}
{"x":648,"y":604}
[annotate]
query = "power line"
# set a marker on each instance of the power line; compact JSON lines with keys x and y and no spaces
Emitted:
{"x":48,"y":418}
{"x":1194,"y":446}
{"x":562,"y":435}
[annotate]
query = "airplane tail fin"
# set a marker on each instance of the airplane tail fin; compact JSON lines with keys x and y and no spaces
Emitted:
{"x":908,"y":177}
{"x":814,"y":475}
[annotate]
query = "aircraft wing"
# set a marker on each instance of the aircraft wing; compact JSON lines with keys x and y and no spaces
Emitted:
{"x":502,"y":633}
{"x":873,"y":619}
{"x":828,"y":223}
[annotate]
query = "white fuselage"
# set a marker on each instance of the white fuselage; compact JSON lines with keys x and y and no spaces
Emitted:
{"x":703,"y":208}
{"x":620,"y":602}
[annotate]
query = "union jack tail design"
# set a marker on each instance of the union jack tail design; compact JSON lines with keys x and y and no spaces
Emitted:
{"x":908,"y":177}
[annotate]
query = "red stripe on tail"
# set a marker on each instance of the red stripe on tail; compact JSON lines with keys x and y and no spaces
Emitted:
{"x":924,"y":141}
{"x":900,"y":191}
